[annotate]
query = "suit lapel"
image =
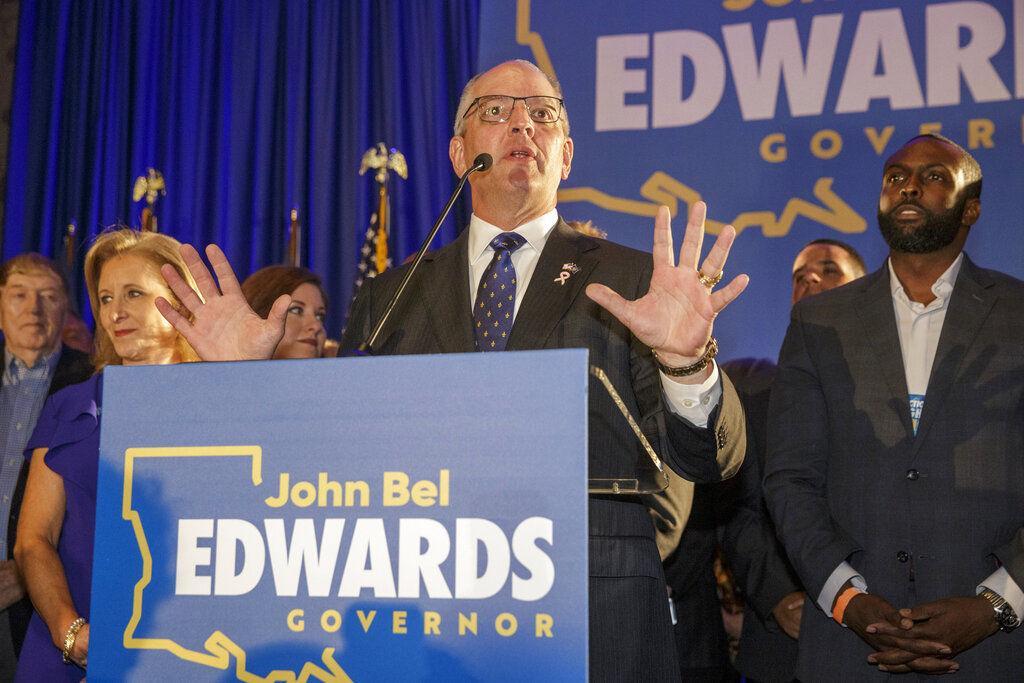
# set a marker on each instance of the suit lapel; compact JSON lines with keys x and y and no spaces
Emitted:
{"x":969,"y":305}
{"x":446,"y":292}
{"x":878,"y":320}
{"x":549,"y":294}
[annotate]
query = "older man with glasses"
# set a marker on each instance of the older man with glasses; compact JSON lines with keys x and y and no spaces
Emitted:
{"x":515,"y":280}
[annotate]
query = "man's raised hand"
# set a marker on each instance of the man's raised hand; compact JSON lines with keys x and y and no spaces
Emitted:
{"x":220,"y":324}
{"x":676,"y":315}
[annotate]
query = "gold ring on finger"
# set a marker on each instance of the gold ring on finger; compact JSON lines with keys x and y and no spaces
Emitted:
{"x":710,"y":281}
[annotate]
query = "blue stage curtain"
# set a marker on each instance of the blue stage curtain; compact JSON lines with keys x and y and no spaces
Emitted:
{"x":248,"y":108}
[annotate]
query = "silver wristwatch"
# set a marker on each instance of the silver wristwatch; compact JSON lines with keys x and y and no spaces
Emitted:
{"x":1005,"y":616}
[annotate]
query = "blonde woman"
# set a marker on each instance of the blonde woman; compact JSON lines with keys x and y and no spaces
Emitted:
{"x":55,"y":533}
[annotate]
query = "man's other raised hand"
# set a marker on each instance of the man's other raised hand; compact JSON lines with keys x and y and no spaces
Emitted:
{"x":217,"y":321}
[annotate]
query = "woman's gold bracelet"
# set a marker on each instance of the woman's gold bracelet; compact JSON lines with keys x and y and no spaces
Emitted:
{"x":69,"y":638}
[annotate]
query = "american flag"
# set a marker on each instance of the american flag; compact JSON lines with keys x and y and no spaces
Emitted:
{"x":374,"y":257}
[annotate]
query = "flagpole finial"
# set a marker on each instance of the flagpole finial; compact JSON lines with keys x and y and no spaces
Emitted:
{"x":381,"y":160}
{"x":70,"y":249}
{"x":294,"y":238}
{"x":152,"y":187}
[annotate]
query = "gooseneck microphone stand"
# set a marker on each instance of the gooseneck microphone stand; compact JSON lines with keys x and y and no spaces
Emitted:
{"x":482,"y":162}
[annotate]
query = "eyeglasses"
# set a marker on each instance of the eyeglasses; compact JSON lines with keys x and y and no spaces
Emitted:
{"x":498,"y":108}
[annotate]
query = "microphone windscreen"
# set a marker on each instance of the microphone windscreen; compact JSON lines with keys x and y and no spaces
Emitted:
{"x":483,"y":161}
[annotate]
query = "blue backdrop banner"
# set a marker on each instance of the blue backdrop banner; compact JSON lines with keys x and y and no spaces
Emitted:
{"x":779,"y":114}
{"x":416,"y":526}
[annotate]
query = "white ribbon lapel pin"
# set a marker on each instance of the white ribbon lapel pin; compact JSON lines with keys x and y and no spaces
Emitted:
{"x":568,"y":270}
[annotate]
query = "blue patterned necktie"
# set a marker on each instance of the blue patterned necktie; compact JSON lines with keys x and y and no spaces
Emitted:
{"x":496,"y":295}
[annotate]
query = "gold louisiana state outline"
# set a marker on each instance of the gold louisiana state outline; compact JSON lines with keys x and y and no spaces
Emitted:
{"x":220,"y":648}
{"x":661,"y":188}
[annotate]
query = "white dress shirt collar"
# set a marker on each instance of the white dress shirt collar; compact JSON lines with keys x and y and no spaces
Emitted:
{"x":941,"y":288}
{"x":536,"y":233}
{"x":16,"y":369}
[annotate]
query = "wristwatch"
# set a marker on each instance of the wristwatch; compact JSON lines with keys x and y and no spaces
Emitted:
{"x":1005,"y":616}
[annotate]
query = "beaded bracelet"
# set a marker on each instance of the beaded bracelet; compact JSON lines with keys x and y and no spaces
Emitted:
{"x":710,"y":351}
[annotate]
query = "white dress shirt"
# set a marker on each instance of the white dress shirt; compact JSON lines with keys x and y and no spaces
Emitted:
{"x":22,"y":395}
{"x":692,"y":402}
{"x":919,"y":327}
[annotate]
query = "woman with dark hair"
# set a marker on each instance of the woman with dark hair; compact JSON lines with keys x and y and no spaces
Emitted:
{"x":304,"y":333}
{"x":56,"y":529}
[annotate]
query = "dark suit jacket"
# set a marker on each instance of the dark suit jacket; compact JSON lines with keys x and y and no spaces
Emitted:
{"x":72,"y":367}
{"x":920,"y":517}
{"x":702,"y":645}
{"x":731,"y":513}
{"x":686,"y":529}
{"x":749,"y":540}
{"x":630,"y":631}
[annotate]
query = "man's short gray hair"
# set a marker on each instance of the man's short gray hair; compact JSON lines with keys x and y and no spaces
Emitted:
{"x":468,"y":96}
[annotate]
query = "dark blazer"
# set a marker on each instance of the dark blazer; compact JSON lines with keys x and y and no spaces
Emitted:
{"x":702,"y":645}
{"x":72,"y":367}
{"x":920,"y":517}
{"x":749,"y":541}
{"x":731,"y":514}
{"x":630,"y":630}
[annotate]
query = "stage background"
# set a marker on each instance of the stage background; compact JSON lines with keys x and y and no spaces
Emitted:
{"x":251,"y":108}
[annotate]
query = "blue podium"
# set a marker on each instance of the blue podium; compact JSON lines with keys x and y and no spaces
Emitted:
{"x":402,"y":518}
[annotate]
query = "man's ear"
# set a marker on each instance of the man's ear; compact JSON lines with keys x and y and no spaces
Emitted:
{"x":457,"y":154}
{"x":972,"y":212}
{"x":566,"y":158}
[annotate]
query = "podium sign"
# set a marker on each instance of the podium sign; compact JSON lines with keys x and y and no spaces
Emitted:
{"x":404,"y":518}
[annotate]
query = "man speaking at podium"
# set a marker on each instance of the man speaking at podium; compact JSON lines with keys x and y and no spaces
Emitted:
{"x":515,"y":280}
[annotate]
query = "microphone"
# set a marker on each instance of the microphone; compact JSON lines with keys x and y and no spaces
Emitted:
{"x":482,"y":162}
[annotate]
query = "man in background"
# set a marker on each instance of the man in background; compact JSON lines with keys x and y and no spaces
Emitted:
{"x":825,"y":264}
{"x":33,"y":308}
